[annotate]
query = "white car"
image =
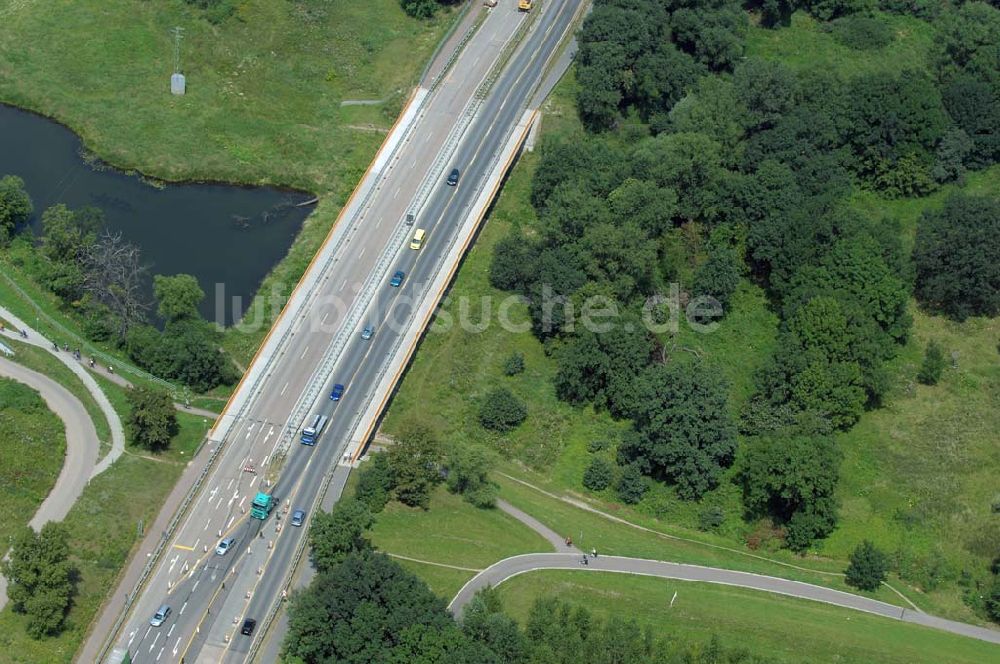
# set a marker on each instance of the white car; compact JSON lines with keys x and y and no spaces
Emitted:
{"x":224,"y":546}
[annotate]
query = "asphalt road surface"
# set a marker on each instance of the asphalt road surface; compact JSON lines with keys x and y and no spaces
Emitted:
{"x":211,"y":594}
{"x":510,"y":567}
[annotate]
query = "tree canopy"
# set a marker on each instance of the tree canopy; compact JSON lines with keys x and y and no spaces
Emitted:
{"x":957,"y":257}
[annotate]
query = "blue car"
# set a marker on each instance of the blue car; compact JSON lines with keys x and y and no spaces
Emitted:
{"x":397,"y":279}
{"x":338,"y":391}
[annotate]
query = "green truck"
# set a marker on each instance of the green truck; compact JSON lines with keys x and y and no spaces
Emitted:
{"x":262,"y":505}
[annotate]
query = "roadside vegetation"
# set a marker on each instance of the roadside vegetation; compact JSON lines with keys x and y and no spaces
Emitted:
{"x":881,"y":453}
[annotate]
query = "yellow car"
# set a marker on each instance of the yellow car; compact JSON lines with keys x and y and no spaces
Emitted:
{"x":418,"y":239}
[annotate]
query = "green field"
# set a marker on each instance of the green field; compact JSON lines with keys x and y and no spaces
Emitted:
{"x":784,"y":629}
{"x":32,"y":446}
{"x":805,"y":44}
{"x":264,"y":86}
{"x":451,"y":532}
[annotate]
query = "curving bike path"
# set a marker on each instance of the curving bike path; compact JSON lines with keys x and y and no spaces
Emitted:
{"x":114,"y":422}
{"x":531,"y":562}
{"x":82,"y":447}
{"x":499,"y":572}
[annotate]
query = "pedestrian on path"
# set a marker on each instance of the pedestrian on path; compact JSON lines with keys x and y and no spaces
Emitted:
{"x":593,"y":552}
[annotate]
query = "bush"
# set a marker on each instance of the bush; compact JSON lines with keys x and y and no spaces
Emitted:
{"x":502,"y":411}
{"x":934,"y":364}
{"x":375,"y":482}
{"x":595,"y":446}
{"x":631,"y":485}
{"x":598,"y":475}
{"x":469,"y":475}
{"x":513,"y":365}
{"x":867,"y":568}
{"x":711,"y":518}
{"x":862,"y":32}
{"x":993,"y":600}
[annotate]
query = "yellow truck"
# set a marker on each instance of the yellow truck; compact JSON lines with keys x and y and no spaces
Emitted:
{"x":524,"y":5}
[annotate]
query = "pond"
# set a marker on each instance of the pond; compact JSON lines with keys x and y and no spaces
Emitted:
{"x":229,"y":237}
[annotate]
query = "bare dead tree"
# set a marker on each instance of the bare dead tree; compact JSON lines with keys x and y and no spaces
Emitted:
{"x":113,"y":276}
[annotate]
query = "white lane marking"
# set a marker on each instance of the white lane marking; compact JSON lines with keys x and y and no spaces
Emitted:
{"x":181,"y":612}
{"x":361,"y":253}
{"x":171,"y":630}
{"x":173,"y":561}
{"x":413,"y":165}
{"x":343,"y":285}
{"x":269,"y":432}
{"x":325,"y":316}
{"x":177,"y":645}
{"x":159,"y":653}
{"x":231,"y":519}
{"x":396,"y":194}
{"x":195,"y":586}
{"x":195,"y":547}
{"x":283,"y":390}
{"x":153,"y":644}
{"x":230,"y":484}
{"x":304,"y":353}
{"x":242,"y":500}
{"x":206,"y":524}
{"x":211,"y":494}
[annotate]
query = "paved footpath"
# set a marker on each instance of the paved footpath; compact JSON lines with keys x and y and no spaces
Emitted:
{"x":510,"y":567}
{"x":82,"y":447}
{"x":114,"y":422}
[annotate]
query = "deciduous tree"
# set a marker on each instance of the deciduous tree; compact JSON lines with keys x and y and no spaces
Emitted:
{"x":684,"y":430}
{"x":957,"y":257}
{"x":15,"y":205}
{"x":338,"y":533}
{"x":152,"y":420}
{"x":40,"y":578}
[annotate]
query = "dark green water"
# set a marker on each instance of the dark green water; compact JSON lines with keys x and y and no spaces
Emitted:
{"x":228,"y":237}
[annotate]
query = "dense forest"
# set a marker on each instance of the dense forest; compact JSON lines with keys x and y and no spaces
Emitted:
{"x":705,"y":168}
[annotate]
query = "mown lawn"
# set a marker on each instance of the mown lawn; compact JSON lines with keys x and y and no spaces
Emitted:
{"x":451,"y":532}
{"x":33,"y":447}
{"x":781,"y":628}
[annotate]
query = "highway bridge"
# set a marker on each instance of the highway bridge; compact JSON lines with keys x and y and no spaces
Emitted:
{"x":474,"y":117}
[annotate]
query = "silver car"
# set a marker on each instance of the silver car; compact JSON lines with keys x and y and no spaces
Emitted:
{"x":224,"y":546}
{"x":160,"y":616}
